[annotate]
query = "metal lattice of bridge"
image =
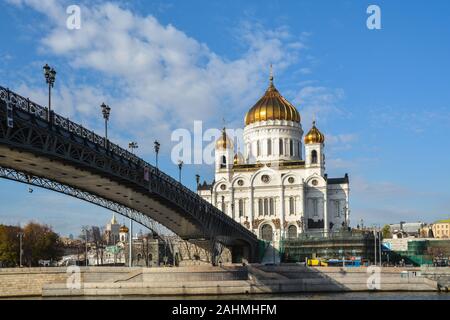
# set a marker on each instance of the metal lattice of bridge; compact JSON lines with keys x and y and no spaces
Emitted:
{"x":52,"y":152}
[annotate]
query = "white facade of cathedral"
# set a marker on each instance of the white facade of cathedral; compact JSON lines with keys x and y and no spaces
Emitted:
{"x":276,"y":189}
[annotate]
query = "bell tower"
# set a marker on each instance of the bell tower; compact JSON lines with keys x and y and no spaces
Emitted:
{"x":314,"y":150}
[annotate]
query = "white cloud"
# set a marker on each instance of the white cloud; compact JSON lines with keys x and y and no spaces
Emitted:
{"x":157,"y":78}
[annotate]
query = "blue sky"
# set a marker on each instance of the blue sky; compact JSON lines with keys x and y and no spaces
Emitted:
{"x":380,"y":96}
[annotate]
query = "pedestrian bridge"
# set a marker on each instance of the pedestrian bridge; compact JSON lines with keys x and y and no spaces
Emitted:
{"x":50,"y":151}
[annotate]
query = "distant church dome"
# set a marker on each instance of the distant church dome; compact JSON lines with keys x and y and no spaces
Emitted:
{"x":272,"y":106}
{"x":123,"y":229}
{"x":314,"y":135}
{"x":238,"y":158}
{"x":224,"y":142}
{"x":113,"y":219}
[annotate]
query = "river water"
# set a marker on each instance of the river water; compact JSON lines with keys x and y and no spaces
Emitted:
{"x":287,"y":296}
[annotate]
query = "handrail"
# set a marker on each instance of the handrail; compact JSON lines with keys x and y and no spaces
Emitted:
{"x":26,"y":105}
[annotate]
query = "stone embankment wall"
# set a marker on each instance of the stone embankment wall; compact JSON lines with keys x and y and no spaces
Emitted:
{"x":203,"y":280}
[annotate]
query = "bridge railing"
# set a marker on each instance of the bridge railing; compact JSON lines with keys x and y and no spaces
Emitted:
{"x":57,"y":120}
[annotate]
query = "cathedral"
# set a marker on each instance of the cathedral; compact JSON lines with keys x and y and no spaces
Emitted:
{"x":278,"y":187}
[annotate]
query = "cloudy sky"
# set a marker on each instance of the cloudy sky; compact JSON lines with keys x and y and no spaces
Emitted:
{"x":381,"y":96}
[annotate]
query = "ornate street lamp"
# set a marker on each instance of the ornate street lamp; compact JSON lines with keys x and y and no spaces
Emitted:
{"x":197,"y":179}
{"x":133,"y":145}
{"x":156,"y":146}
{"x":50,"y":77}
{"x":180,"y":166}
{"x":106,"y":111}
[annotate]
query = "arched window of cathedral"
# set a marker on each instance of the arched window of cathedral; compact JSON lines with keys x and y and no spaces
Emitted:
{"x":267,"y":232}
{"x":292,"y":232}
{"x":280,"y":142}
{"x":269,"y":147}
{"x":224,"y":161}
{"x":291,"y":205}
{"x":260,"y":207}
{"x":241,"y":207}
{"x":266,"y":207}
{"x":315,"y":207}
{"x":271,"y":206}
{"x":139,"y":257}
{"x":223,"y":204}
{"x":291,"y":147}
{"x":150,"y":257}
{"x":258,"y":148}
{"x":314,"y":156}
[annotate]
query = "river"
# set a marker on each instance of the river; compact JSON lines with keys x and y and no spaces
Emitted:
{"x":287,"y":296}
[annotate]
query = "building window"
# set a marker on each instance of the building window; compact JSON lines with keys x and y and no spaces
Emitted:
{"x":224,"y":161}
{"x":292,"y":232}
{"x":337,"y":210}
{"x":298,"y":150}
{"x":258,"y":148}
{"x":271,"y":207}
{"x":241,"y":208}
{"x":267,"y":232}
{"x":313,"y":205}
{"x":314,"y":156}
{"x":280,"y":141}
{"x":260,"y":207}
{"x":223,"y":204}
{"x":291,"y":147}
{"x":291,"y":205}
{"x":266,"y":207}
{"x":269,"y":147}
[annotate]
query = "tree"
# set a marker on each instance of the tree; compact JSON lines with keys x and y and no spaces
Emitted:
{"x":9,"y":245}
{"x":386,"y":232}
{"x":40,"y":243}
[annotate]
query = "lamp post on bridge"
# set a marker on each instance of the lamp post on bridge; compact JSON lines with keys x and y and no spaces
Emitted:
{"x":106,"y":110}
{"x":133,"y":145}
{"x":20,"y":235}
{"x":50,"y":77}
{"x":180,"y":167}
{"x":197,"y":180}
{"x":157,"y":145}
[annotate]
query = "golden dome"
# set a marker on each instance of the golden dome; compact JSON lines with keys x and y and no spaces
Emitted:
{"x":224,"y":142}
{"x":123,"y":229}
{"x":238,"y":158}
{"x":314,"y":135}
{"x":272,"y":106}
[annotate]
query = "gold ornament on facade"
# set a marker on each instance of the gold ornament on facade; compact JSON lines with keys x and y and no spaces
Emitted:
{"x":272,"y":106}
{"x":256,"y":223}
{"x":314,"y":135}
{"x":277,"y":223}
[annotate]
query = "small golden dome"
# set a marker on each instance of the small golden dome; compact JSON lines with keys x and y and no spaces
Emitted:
{"x":272,"y":106}
{"x":224,"y":142}
{"x":123,"y":229}
{"x":238,"y":159}
{"x":314,"y":135}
